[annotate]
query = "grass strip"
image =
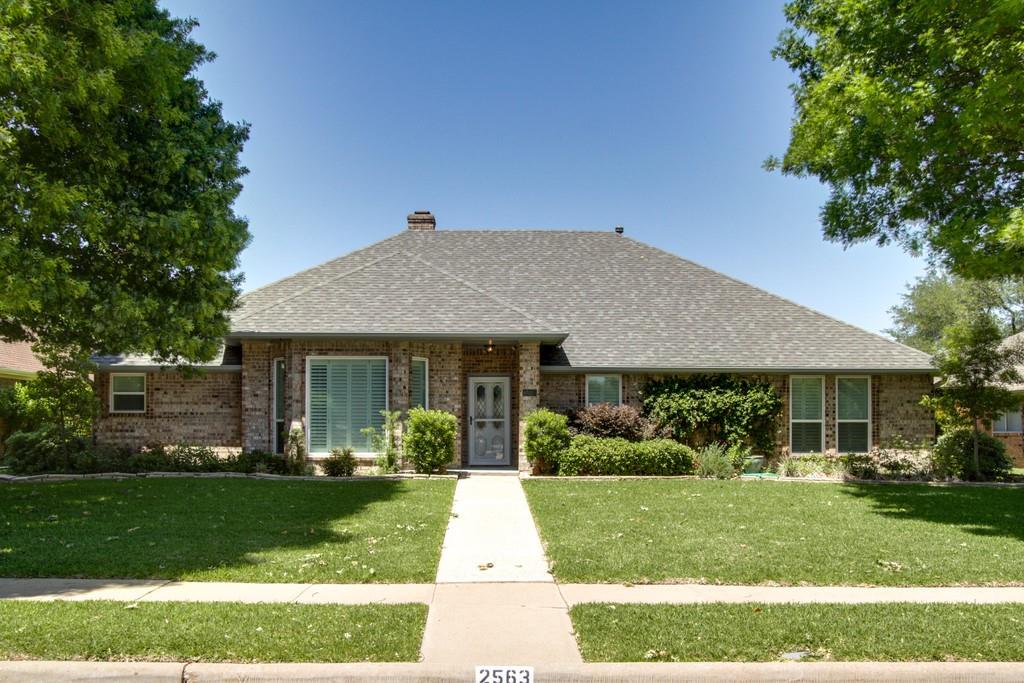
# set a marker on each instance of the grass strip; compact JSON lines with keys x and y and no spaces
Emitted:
{"x":753,"y":532}
{"x":210,"y":632}
{"x":750,"y":632}
{"x":226,"y":530}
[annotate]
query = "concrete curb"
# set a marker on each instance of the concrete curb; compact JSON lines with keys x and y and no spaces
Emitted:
{"x":178,"y":672}
{"x":119,"y":476}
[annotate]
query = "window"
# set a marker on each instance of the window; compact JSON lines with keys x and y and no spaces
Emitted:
{"x":604,"y":389}
{"x":853,"y":414}
{"x":1008,"y":423}
{"x":279,"y":434}
{"x":418,"y":384}
{"x":128,"y":393}
{"x":806,"y":409}
{"x":345,"y":396}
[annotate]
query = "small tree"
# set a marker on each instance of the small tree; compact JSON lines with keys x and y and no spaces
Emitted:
{"x":295,"y":450}
{"x":384,"y":442}
{"x":974,"y":367}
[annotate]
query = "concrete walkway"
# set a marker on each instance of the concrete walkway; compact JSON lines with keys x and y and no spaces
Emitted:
{"x":496,"y":602}
{"x":491,"y":537}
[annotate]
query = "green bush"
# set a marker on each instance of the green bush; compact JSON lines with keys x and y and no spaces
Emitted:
{"x":705,"y":409}
{"x":591,"y":455}
{"x":953,"y":456}
{"x":429,"y":441}
{"x":383,"y":441}
{"x":249,"y":462}
{"x":814,"y":465}
{"x":43,"y":450}
{"x":546,"y":437}
{"x":340,"y":463}
{"x":718,"y":461}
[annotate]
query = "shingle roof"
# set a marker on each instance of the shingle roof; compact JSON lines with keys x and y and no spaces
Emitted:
{"x":618,"y":303}
{"x":229,"y":358}
{"x":17,"y":358}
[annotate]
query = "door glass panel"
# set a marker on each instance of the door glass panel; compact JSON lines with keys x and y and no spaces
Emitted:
{"x":499,"y":402}
{"x":481,"y":401}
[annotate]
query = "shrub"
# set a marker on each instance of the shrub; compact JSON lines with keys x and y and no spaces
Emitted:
{"x":48,"y":449}
{"x":705,"y":409}
{"x":813,"y":465}
{"x":383,"y":441}
{"x":295,"y":452}
{"x":340,"y":463}
{"x":255,"y":461}
{"x":545,"y":438}
{"x":717,"y":461}
{"x":591,"y":455}
{"x":953,"y":456}
{"x":610,"y":421}
{"x":429,"y":440}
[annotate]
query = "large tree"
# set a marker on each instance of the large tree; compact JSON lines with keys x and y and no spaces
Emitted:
{"x":913,"y":114}
{"x":938,"y":300}
{"x":117,"y":178}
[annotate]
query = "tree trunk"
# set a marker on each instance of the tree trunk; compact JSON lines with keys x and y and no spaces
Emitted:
{"x":977,"y":460}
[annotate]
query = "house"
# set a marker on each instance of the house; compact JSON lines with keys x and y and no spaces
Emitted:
{"x":1007,"y":427}
{"x":491,"y":324}
{"x":17,"y":363}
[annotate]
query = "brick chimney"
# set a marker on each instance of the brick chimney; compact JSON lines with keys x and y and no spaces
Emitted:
{"x":422,"y":220}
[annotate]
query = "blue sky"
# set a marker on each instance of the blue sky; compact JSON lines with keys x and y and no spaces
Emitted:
{"x":651,"y":115}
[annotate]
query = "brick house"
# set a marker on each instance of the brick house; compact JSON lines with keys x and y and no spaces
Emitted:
{"x":1008,"y":427}
{"x":490,"y":325}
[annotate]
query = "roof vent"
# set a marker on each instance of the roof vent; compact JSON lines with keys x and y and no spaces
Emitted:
{"x":422,"y":220}
{"x":619,"y":230}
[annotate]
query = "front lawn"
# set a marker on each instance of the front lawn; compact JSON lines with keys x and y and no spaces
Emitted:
{"x":753,"y":532}
{"x":226,"y":530}
{"x":758,"y":633}
{"x":210,"y":632}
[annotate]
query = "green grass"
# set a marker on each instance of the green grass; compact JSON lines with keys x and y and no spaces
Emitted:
{"x":754,"y":532}
{"x":757,"y":633}
{"x":226,"y":530}
{"x":210,"y":632}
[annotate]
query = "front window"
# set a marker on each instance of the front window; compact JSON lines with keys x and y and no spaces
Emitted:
{"x":418,"y":384}
{"x":853,"y":412}
{"x":806,"y":403}
{"x":279,"y":433}
{"x":604,"y":389}
{"x":346,"y":396}
{"x":1008,"y":423}
{"x":128,"y":393}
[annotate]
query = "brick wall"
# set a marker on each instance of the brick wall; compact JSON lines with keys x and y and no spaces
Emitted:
{"x":896,"y":408}
{"x":204,"y":410}
{"x":1014,"y":443}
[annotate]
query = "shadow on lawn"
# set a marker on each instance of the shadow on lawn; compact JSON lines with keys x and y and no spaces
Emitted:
{"x":172,"y":528}
{"x":978,"y":510}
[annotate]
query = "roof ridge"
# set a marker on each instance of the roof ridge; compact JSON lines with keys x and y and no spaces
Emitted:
{"x":780,"y":298}
{"x":318,"y":266}
{"x":317,"y":285}
{"x":479,"y":290}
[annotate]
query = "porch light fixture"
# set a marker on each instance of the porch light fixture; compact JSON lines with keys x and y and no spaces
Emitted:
{"x":490,"y":346}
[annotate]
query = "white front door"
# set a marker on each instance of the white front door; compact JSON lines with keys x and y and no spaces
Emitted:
{"x":488,"y":421}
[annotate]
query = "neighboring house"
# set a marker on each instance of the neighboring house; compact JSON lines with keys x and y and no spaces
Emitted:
{"x":1007,"y":427}
{"x":491,"y":324}
{"x":17,"y":363}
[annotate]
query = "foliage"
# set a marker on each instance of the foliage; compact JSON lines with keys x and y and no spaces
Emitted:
{"x":974,"y":365}
{"x":591,"y":455}
{"x":911,"y":113}
{"x":384,"y":442}
{"x":545,"y":438}
{"x":704,"y":409}
{"x":429,"y":440}
{"x":812,"y":466}
{"x":117,"y":178}
{"x":610,"y":421}
{"x":715,"y":461}
{"x":937,"y":300}
{"x":953,"y":456}
{"x":60,"y":395}
{"x":49,"y":450}
{"x":340,"y":463}
{"x":295,"y":451}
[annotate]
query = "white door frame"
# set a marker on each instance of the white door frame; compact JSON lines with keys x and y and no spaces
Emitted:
{"x":506,"y":386}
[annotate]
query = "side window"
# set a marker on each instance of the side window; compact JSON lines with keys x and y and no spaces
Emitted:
{"x":127,"y":393}
{"x":604,"y":389}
